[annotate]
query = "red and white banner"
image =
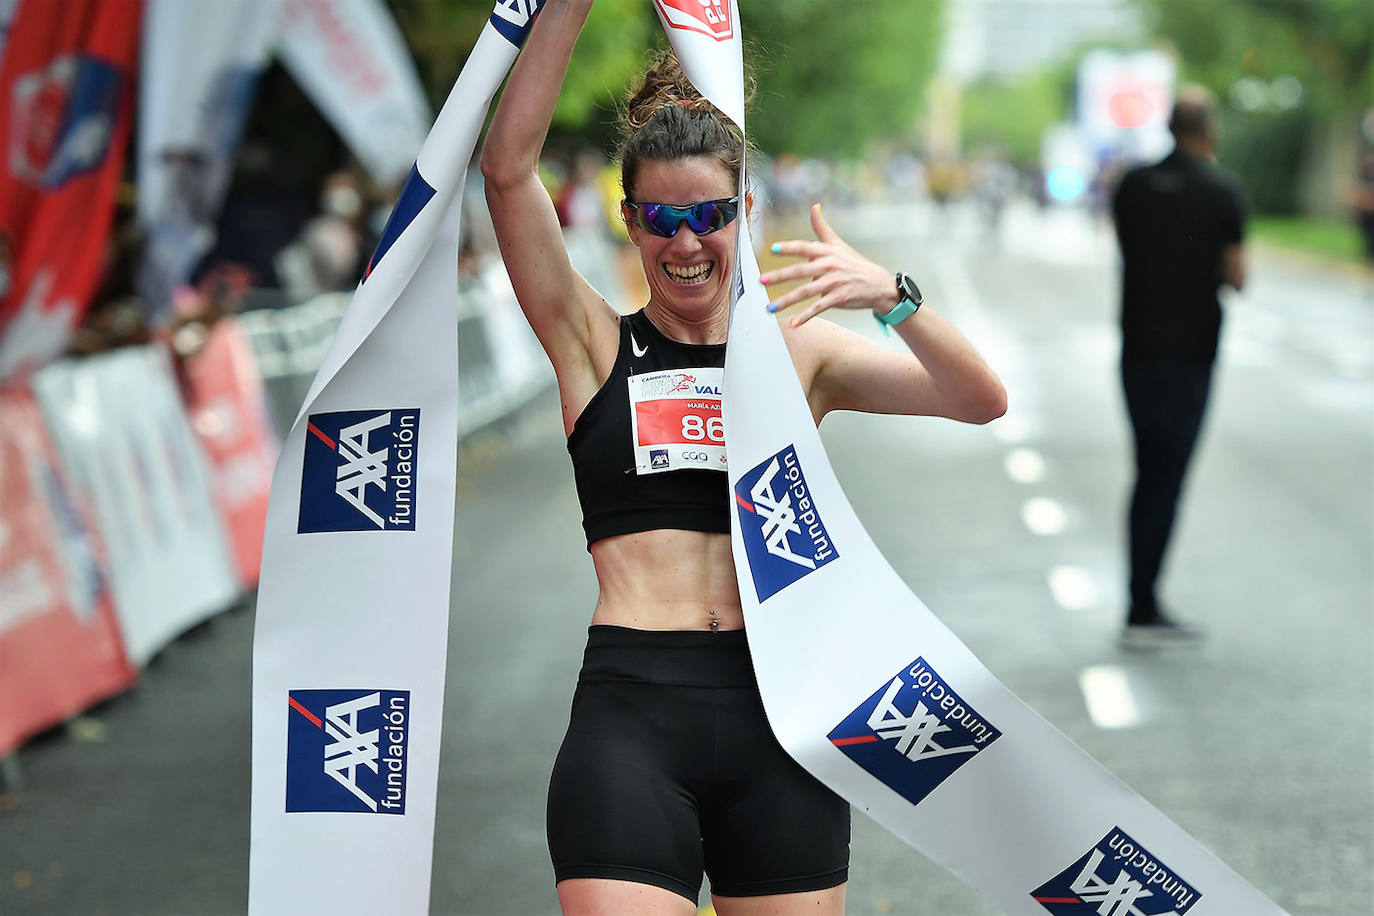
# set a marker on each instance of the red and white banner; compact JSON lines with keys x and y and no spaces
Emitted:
{"x":881,"y":702}
{"x":66,"y":105}
{"x":136,"y":461}
{"x":349,"y":57}
{"x":227,"y":407}
{"x":60,"y":648}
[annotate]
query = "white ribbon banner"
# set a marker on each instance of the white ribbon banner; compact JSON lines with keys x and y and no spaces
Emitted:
{"x":352,"y":616}
{"x":880,"y":701}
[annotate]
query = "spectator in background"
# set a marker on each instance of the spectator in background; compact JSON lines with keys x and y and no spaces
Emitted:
{"x":1364,"y":194}
{"x":325,"y":257}
{"x":118,"y":315}
{"x":1180,"y":224}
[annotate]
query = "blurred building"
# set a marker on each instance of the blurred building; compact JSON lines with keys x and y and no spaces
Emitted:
{"x":1011,"y":38}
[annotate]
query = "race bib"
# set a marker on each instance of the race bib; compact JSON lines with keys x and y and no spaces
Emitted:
{"x":675,"y":420}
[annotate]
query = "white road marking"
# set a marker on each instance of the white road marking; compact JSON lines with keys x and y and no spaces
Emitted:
{"x":1044,"y":516}
{"x":1107,"y":694}
{"x":1024,"y":465}
{"x":1072,"y":587}
{"x":1011,"y":429}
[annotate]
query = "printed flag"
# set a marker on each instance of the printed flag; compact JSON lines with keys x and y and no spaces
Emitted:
{"x":201,"y":61}
{"x":66,"y":104}
{"x":348,"y":55}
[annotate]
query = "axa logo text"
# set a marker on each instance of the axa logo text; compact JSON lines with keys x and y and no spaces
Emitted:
{"x":359,"y":471}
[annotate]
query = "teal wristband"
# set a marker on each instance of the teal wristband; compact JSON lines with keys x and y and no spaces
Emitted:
{"x":904,"y":310}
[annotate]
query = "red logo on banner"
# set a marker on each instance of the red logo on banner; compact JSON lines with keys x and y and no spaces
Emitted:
{"x":1134,"y":102}
{"x":710,"y":17}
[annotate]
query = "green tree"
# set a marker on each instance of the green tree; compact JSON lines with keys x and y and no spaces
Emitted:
{"x":441,"y":33}
{"x":1328,"y":45}
{"x":831,"y":78}
{"x":1013,"y":116}
{"x":1295,"y":75}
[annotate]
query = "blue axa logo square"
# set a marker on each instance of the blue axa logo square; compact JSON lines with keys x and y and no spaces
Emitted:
{"x":913,"y":732}
{"x":784,"y":536}
{"x":359,"y":472}
{"x":346,"y":750}
{"x":1117,"y":877}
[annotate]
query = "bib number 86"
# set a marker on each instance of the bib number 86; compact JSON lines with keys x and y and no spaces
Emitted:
{"x":696,"y":429}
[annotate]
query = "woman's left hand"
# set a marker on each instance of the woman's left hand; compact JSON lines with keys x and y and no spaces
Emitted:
{"x":837,"y":276}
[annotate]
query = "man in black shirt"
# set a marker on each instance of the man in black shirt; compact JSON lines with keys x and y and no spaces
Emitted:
{"x":1180,"y":224}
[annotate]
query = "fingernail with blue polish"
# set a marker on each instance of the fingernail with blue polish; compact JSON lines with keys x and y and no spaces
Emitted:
{"x":776,"y":249}
{"x":772,"y":306}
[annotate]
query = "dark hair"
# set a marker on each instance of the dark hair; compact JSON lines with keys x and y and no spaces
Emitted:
{"x":1194,"y":113}
{"x":665,"y":119}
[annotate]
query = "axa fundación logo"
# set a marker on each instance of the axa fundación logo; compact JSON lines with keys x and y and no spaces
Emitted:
{"x":359,"y":472}
{"x":914,"y":732}
{"x":1117,"y":877}
{"x":784,"y":536}
{"x":346,"y":750}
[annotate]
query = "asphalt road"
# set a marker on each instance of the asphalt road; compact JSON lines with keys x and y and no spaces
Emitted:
{"x":1259,"y":742}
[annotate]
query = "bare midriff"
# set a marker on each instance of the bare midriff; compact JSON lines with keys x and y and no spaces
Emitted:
{"x":667,"y":579}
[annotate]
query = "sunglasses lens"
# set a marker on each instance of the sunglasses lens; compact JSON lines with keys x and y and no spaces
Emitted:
{"x":660,"y":219}
{"x":702,"y":218}
{"x":706,"y":217}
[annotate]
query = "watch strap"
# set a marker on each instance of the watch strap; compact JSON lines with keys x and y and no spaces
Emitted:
{"x":905,"y":308}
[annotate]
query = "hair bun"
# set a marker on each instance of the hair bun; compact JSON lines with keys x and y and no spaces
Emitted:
{"x":665,"y":119}
{"x":664,"y":85}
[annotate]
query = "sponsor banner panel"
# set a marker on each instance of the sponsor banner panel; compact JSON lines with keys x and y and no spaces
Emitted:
{"x":864,"y":685}
{"x":349,"y":56}
{"x":227,"y":407}
{"x":60,"y":649}
{"x":66,"y":106}
{"x":353,"y":602}
{"x":137,"y":462}
{"x":200,"y":66}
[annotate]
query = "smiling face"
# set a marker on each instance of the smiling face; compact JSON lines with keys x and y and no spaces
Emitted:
{"x":688,"y":274}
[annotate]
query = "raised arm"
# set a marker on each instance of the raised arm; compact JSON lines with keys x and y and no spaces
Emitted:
{"x":559,"y":304}
{"x":943,"y":375}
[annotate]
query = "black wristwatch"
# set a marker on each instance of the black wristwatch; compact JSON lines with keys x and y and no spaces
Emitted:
{"x":909,"y":299}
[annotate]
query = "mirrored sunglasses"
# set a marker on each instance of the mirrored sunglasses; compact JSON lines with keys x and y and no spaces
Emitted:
{"x":702,"y":218}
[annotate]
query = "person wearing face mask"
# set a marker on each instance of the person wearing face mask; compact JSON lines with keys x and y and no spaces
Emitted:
{"x":669,"y":768}
{"x":327,"y":255}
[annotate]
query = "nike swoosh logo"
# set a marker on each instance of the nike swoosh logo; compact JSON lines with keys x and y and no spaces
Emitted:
{"x":634,"y":345}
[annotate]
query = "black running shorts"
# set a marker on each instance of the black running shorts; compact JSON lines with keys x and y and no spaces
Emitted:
{"x":669,"y":768}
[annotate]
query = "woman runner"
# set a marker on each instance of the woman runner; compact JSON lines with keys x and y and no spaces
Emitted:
{"x":669,"y":768}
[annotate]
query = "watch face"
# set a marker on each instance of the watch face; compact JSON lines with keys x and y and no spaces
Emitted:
{"x":908,"y":288}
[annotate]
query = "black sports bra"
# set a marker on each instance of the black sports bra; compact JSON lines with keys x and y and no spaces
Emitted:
{"x":648,"y":450}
